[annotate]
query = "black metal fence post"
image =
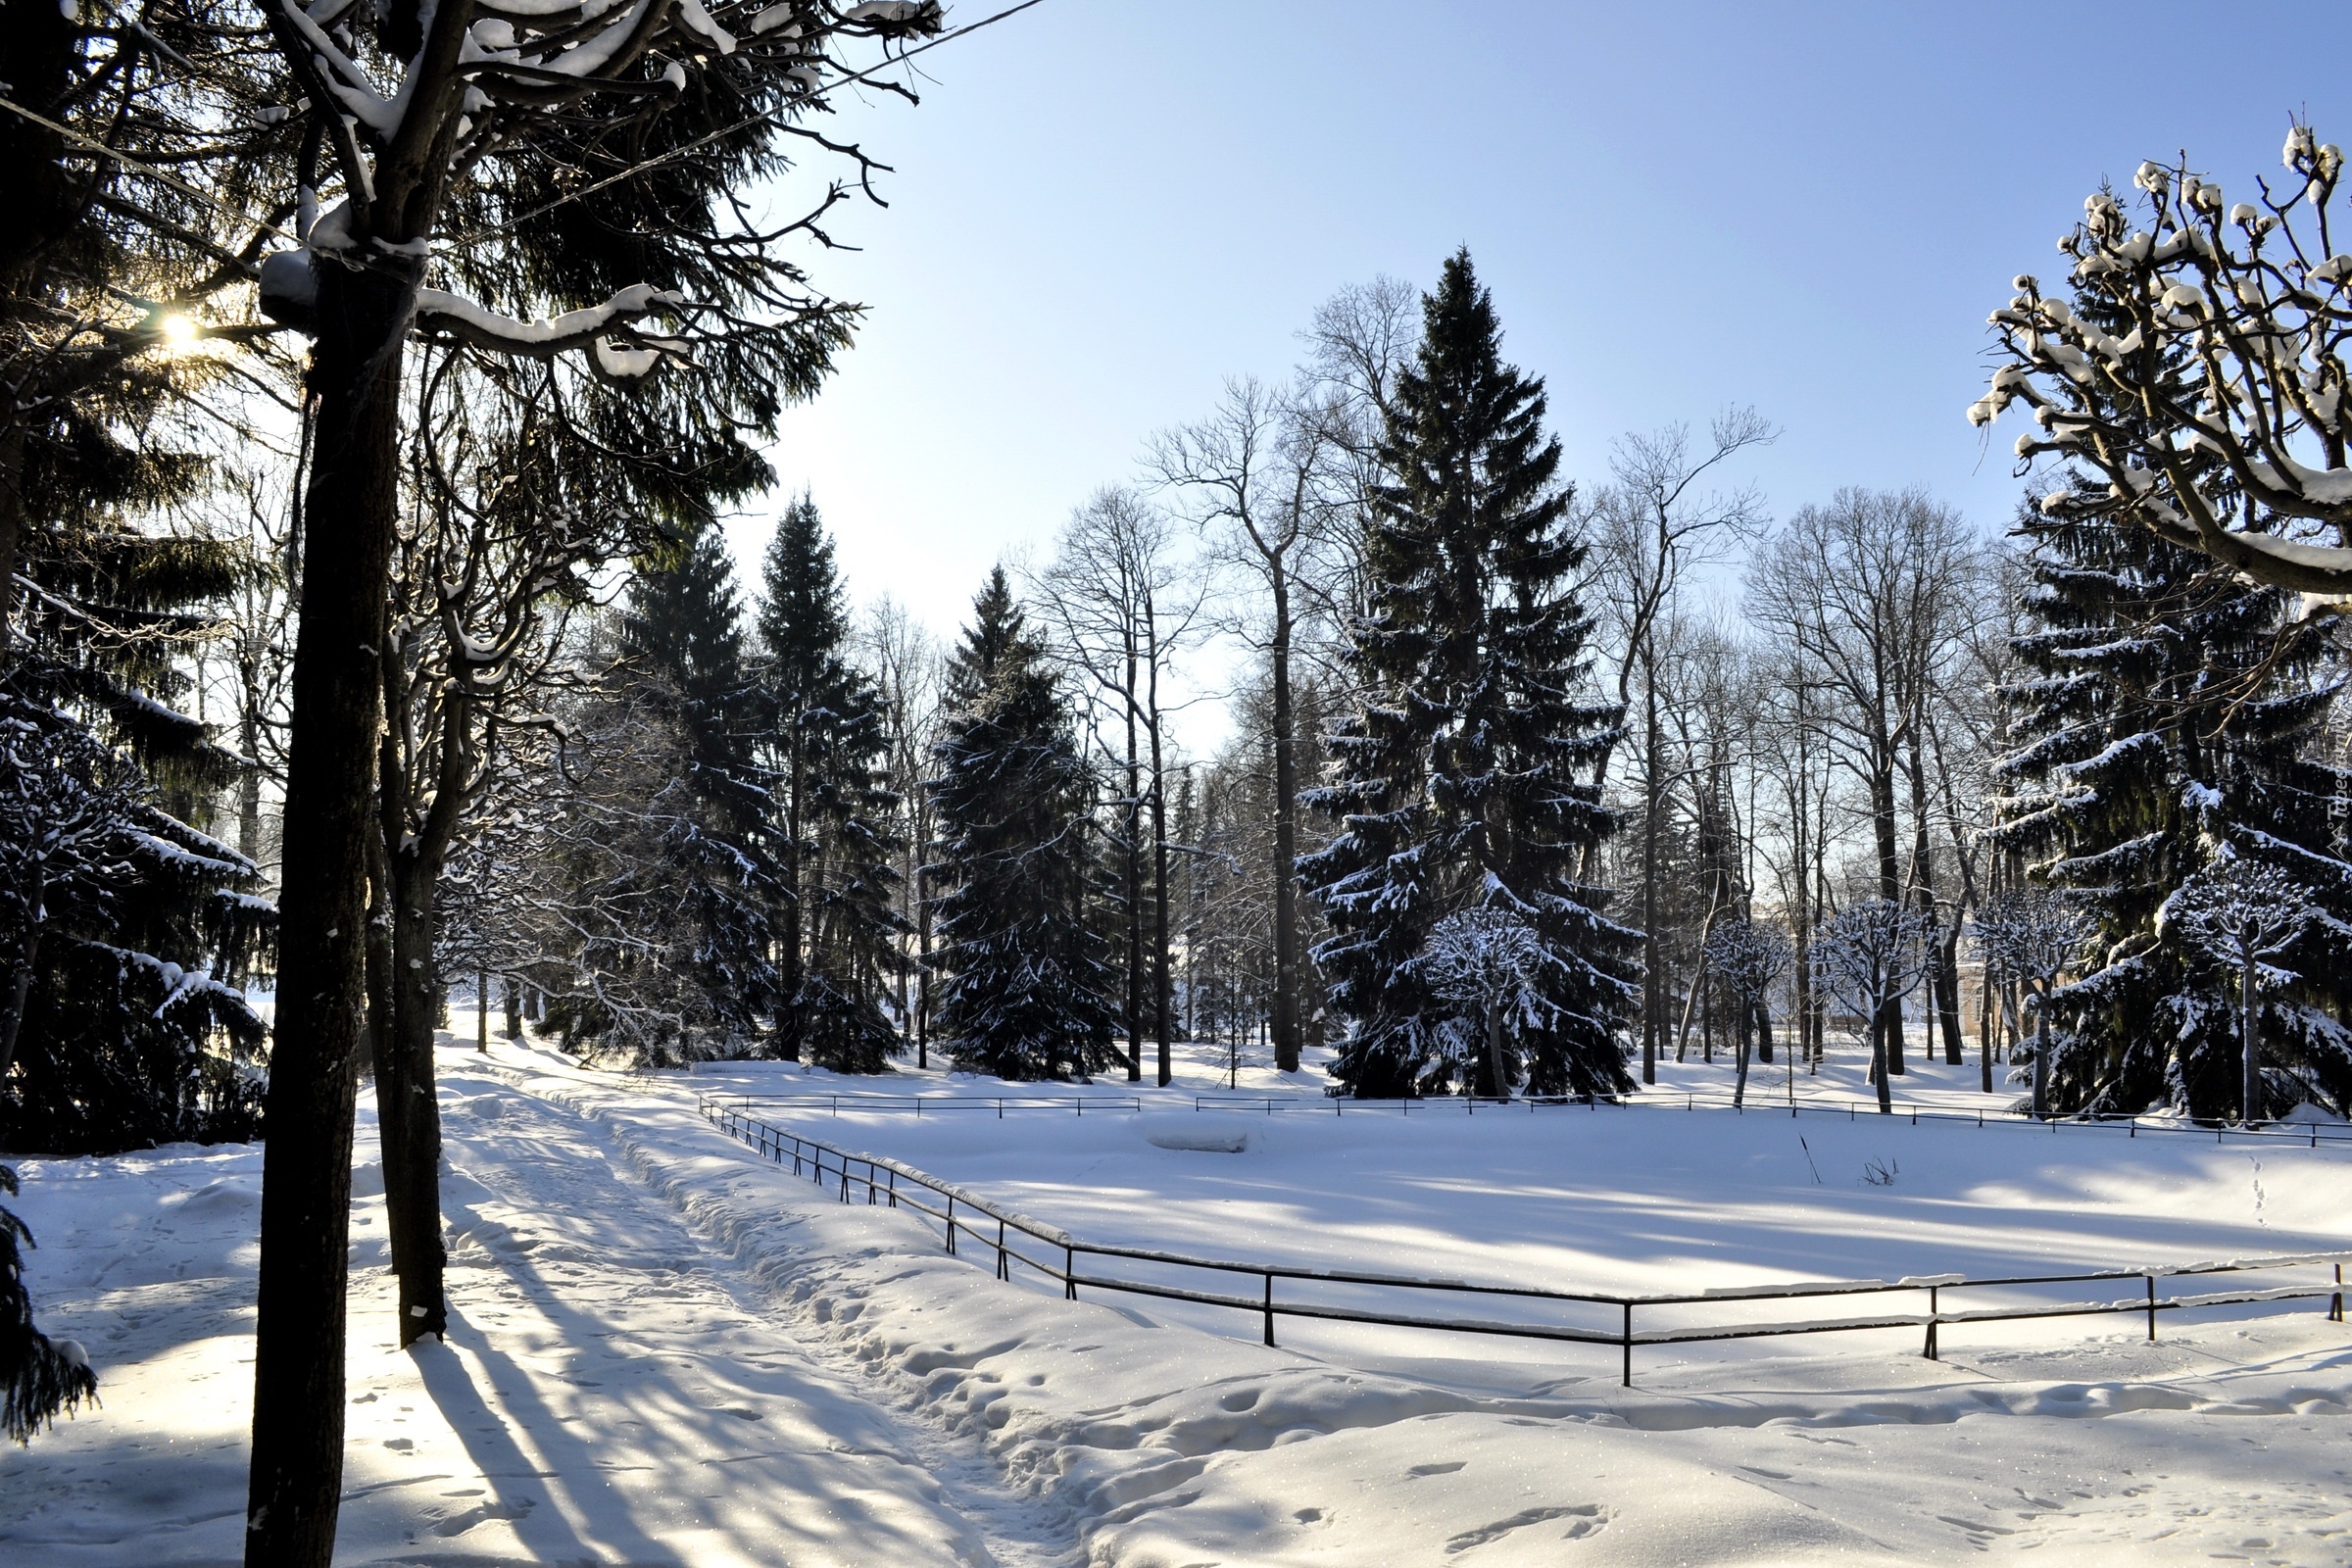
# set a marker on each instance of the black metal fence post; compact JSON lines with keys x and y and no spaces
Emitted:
{"x":1269,"y":1306}
{"x":2151,"y":1279}
{"x":1627,"y":1338}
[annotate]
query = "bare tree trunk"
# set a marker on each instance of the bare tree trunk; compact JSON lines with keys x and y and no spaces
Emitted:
{"x":2250,"y":1106}
{"x":481,"y":1012}
{"x":1652,"y":1015}
{"x":2042,"y":1051}
{"x":1286,"y":843}
{"x":408,"y":1107}
{"x":1162,"y":989}
{"x":1133,"y":867}
{"x":297,"y":1456}
{"x":1890,"y":887}
{"x":19,"y":991}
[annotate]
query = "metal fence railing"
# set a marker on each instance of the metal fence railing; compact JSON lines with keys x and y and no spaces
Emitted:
{"x":1582,"y":1317}
{"x":856,"y":1102}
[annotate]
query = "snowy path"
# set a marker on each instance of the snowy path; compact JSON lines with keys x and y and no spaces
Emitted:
{"x":613,"y":1390}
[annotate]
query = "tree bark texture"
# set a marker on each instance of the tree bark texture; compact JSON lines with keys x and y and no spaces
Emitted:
{"x":297,"y":1458}
{"x":1286,"y":843}
{"x":408,"y":1106}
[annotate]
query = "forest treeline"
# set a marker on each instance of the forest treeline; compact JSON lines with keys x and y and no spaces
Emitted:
{"x":1711,"y":782}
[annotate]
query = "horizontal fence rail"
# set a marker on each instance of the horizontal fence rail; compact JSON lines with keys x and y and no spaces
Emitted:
{"x":858,"y":1102}
{"x":1397,"y":1300}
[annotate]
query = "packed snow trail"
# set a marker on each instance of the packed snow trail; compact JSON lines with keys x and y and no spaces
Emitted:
{"x":611,"y":1392}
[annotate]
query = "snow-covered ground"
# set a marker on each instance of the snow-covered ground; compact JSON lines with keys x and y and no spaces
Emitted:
{"x":670,"y":1352}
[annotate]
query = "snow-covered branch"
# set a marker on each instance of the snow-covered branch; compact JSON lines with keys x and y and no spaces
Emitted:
{"x":2200,"y":372}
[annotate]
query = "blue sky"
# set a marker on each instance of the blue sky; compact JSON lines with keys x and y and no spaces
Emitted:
{"x":1104,"y":206}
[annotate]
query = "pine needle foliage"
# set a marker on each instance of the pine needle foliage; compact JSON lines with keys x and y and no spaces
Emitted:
{"x":832,"y":820}
{"x":2172,"y":715}
{"x":1457,"y":783}
{"x":39,"y":1378}
{"x":1026,"y":990}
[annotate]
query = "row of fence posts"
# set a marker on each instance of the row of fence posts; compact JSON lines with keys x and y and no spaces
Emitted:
{"x":1070,"y":1250}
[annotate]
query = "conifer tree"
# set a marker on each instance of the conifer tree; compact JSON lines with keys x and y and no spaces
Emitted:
{"x":1457,"y":783}
{"x":703,"y":803}
{"x":832,"y":818}
{"x":2170,"y":709}
{"x":1026,"y":992}
{"x":122,"y":1010}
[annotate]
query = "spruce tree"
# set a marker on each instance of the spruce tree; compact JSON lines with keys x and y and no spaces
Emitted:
{"x":705,"y":805}
{"x":832,"y":816}
{"x":2171,"y":708}
{"x":1026,"y":991}
{"x":1457,"y":783}
{"x":122,"y":1018}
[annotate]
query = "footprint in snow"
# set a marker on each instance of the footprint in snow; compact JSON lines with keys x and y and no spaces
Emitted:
{"x":1584,"y":1519}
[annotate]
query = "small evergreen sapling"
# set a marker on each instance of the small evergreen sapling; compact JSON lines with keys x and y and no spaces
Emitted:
{"x":2031,"y":936}
{"x":2248,"y":915}
{"x":38,"y":1376}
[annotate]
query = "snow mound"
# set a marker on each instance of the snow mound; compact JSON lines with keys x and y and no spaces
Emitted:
{"x":2307,"y":1112}
{"x":224,"y":1195}
{"x":1196,"y":1132}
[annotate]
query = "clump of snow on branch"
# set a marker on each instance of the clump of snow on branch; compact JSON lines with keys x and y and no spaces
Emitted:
{"x":2217,"y":417}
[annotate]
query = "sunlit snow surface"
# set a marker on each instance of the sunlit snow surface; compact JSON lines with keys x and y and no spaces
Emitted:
{"x":669,"y":1351}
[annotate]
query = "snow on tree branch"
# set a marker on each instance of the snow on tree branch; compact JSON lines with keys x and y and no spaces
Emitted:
{"x":2217,"y":415}
{"x":619,"y":352}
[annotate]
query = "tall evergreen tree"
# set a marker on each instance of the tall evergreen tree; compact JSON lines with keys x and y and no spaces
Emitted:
{"x":833,"y":817}
{"x":121,"y":1010}
{"x":682,"y":662}
{"x":1027,"y":992}
{"x":1457,"y":783}
{"x":2171,"y":708}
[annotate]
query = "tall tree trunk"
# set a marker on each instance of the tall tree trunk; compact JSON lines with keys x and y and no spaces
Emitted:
{"x":1654,"y":1015}
{"x":1132,"y":869}
{"x":1286,"y":843}
{"x":2042,"y":1051}
{"x":1162,"y":985}
{"x":2250,"y":1106}
{"x":1491,"y":1069}
{"x":408,"y":1106}
{"x":297,"y":1456}
{"x":1890,"y":887}
{"x":1740,"y":1047}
